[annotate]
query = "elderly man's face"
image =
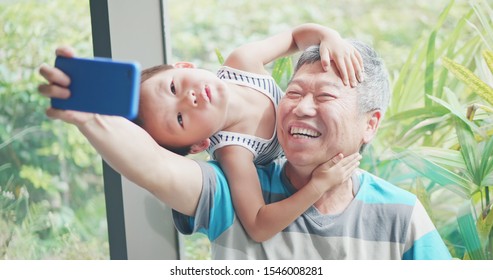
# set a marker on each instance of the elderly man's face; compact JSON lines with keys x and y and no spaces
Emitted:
{"x":318,"y":118}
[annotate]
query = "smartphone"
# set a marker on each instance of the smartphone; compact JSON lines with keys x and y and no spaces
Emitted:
{"x":100,"y":85}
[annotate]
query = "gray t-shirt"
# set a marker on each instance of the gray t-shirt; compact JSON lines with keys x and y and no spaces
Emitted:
{"x":382,"y":222}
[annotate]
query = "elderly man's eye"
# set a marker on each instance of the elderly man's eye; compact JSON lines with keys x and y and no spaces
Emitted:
{"x":326,"y":96}
{"x":293,"y":94}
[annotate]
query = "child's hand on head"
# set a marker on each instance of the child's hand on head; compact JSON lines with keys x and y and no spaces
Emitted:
{"x":346,"y":58}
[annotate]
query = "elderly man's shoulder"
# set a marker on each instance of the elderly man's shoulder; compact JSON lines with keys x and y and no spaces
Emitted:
{"x":273,"y":168}
{"x":271,"y":175}
{"x":270,"y":170}
{"x":377,"y":190}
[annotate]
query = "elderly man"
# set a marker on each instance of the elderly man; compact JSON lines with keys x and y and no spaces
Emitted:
{"x":363,"y":218}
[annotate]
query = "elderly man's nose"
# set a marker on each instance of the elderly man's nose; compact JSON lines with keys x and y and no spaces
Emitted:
{"x":306,"y":106}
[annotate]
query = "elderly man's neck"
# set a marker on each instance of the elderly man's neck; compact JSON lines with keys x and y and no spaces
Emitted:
{"x":298,"y":175}
{"x":334,"y":201}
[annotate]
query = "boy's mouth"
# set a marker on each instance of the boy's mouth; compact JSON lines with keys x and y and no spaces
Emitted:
{"x":208,"y":93}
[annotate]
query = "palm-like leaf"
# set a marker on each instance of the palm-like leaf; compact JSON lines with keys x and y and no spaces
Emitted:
{"x":424,"y":165}
{"x":282,"y":71}
{"x":468,"y":77}
{"x":488,"y":57}
{"x":484,"y":227}
{"x":469,"y":151}
{"x":469,"y":233}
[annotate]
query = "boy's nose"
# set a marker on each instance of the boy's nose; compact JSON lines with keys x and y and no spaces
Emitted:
{"x":190,"y":98}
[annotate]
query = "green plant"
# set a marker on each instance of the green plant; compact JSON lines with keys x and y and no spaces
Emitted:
{"x":49,"y":174}
{"x":455,"y":144}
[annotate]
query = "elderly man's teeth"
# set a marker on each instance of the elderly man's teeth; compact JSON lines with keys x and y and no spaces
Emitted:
{"x":304,"y":132}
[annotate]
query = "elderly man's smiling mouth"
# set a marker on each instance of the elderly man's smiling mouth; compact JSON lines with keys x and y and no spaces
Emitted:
{"x":303,"y":132}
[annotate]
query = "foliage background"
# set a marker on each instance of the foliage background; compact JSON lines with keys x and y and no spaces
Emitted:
{"x":51,"y":194}
{"x":50,"y":178}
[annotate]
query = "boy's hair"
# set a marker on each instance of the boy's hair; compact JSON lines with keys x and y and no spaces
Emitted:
{"x":152,"y":71}
{"x":145,"y":75}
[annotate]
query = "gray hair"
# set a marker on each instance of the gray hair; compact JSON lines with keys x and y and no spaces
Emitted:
{"x":374,"y":92}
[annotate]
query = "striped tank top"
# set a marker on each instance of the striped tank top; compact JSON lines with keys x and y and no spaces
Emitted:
{"x":264,"y":150}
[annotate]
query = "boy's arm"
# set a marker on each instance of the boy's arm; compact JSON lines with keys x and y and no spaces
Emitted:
{"x":253,"y":56}
{"x":262,"y":221}
{"x":175,"y":180}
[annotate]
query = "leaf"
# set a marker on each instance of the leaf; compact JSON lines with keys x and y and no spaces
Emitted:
{"x":430,"y":67}
{"x":19,"y":135}
{"x":5,"y":166}
{"x":486,"y":165}
{"x":488,"y":57}
{"x":484,"y":226}
{"x":37,"y":176}
{"x":402,"y":80}
{"x":450,"y":159}
{"x":484,"y":13}
{"x":451,"y":44}
{"x":424,"y":197}
{"x":220,"y":57}
{"x":444,"y":14}
{"x":282,"y":67}
{"x":412,"y":80}
{"x":436,"y":173}
{"x":468,"y":77}
{"x":422,"y":127}
{"x":418,"y":113}
{"x":455,"y":108}
{"x":468,"y":149}
{"x":485,"y":108}
{"x":429,"y":80}
{"x":469,"y":232}
{"x":487,"y":180}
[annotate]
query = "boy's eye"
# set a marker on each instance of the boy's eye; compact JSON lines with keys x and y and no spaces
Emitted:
{"x":180,"y":119}
{"x":172,"y":88}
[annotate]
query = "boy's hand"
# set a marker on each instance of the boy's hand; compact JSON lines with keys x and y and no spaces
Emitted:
{"x":57,"y":87}
{"x":334,"y":172}
{"x":346,"y":58}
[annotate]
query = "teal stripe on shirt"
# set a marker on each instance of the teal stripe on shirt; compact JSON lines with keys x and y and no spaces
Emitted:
{"x":428,"y":248}
{"x":222,"y":218}
{"x":383,"y":192}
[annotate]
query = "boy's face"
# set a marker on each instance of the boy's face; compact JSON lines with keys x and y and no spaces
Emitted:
{"x":182,"y":106}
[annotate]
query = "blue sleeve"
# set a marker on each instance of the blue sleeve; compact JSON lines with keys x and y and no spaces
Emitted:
{"x":215,"y":212}
{"x":428,"y":247}
{"x":426,"y":243}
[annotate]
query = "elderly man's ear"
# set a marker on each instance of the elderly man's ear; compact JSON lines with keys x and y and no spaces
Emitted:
{"x":372,"y":124}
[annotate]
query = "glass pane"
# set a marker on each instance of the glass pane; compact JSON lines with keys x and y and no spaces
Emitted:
{"x":51,"y":187}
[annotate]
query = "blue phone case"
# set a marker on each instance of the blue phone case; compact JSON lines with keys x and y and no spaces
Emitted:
{"x":100,"y":85}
